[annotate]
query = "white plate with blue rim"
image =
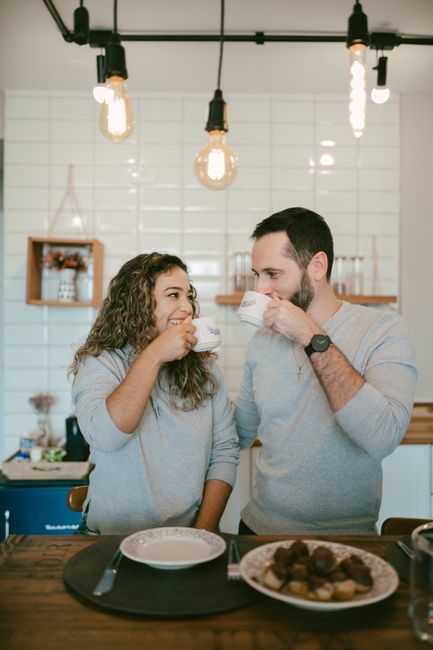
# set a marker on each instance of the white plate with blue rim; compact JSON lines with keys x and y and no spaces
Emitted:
{"x":172,"y":547}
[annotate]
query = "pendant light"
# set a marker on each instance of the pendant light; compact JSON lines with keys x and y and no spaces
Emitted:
{"x":99,"y":89}
{"x":357,"y":42}
{"x":216,"y":165}
{"x":116,"y":117}
{"x":380,"y":93}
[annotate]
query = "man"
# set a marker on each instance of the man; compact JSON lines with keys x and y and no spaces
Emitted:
{"x":328,"y":389}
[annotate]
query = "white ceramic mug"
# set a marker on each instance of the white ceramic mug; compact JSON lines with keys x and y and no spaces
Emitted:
{"x":252,"y":308}
{"x":208,"y":333}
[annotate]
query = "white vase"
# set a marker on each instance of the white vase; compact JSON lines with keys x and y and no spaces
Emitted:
{"x":44,"y":430}
{"x":67,"y":291}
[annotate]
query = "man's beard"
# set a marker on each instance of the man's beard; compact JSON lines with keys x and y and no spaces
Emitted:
{"x":305,"y":295}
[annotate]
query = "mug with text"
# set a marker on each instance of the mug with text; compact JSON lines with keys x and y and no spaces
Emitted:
{"x":208,"y":333}
{"x":252,"y":308}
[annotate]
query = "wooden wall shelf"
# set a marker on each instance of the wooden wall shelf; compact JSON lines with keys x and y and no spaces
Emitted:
{"x":235,"y":299}
{"x":420,"y":429}
{"x":36,"y":247}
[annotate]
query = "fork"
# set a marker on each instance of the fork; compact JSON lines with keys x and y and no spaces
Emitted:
{"x":233,"y":571}
{"x":406,"y":549}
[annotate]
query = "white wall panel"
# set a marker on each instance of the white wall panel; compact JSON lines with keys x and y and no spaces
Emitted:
{"x":142,"y":195}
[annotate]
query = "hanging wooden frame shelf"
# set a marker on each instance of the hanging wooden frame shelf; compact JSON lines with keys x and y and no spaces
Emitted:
{"x":35,"y":253}
{"x":44,"y":275}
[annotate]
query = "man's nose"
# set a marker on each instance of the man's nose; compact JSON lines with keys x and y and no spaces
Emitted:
{"x":263,"y":286}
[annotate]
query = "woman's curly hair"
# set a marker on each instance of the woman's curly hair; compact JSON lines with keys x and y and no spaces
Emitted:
{"x":126,"y":317}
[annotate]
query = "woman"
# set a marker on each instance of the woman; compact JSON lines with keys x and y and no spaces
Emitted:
{"x":155,"y":414}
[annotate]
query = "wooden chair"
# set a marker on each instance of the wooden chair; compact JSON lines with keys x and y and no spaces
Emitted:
{"x":76,"y":497}
{"x":401,"y":525}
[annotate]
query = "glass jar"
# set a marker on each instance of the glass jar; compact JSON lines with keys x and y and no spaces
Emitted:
{"x":339,"y":275}
{"x":249,"y":277}
{"x":357,"y":276}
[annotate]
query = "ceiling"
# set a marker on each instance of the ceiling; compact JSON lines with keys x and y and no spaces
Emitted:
{"x":33,"y":53}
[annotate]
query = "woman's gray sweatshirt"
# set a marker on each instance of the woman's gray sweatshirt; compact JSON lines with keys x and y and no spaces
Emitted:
{"x":155,"y":476}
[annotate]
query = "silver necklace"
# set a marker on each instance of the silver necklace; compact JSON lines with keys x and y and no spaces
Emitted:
{"x":299,"y":372}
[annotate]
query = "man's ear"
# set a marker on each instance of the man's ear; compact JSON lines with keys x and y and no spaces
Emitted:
{"x":318,"y":266}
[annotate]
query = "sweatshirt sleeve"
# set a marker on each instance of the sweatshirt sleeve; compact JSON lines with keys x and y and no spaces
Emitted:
{"x":225,"y":444}
{"x":377,"y":417}
{"x":96,"y":378}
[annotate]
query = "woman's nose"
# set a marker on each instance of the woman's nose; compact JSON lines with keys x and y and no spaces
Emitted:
{"x":186,"y":306}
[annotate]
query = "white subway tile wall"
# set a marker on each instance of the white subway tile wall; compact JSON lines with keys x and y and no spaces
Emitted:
{"x":142,"y":195}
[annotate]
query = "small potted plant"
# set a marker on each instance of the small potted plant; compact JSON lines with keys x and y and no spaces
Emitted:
{"x":59,"y":260}
{"x":42,"y":403}
{"x":67,"y":264}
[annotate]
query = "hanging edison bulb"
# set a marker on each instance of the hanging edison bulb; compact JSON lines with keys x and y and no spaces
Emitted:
{"x":380,"y":93}
{"x":99,"y":88}
{"x":357,"y":42}
{"x":358,"y":93}
{"x":216,"y":165}
{"x":116,"y":118}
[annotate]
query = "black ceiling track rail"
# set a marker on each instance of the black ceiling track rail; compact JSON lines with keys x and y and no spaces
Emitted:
{"x":101,"y":38}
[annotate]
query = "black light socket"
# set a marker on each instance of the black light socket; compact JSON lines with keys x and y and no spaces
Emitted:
{"x":100,"y":68}
{"x":81,"y":26}
{"x":357,"y":29}
{"x":115,"y":61}
{"x":217,"y":118}
{"x":381,"y":70}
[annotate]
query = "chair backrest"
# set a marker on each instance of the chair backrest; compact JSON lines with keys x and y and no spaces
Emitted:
{"x":76,"y":497}
{"x":401,"y":525}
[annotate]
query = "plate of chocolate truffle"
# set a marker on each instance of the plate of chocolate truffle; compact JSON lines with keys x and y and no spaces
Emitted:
{"x":319,"y":576}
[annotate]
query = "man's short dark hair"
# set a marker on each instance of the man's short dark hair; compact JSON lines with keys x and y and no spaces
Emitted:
{"x":307,"y":231}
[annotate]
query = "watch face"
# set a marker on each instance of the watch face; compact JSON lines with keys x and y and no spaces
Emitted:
{"x":320,"y":342}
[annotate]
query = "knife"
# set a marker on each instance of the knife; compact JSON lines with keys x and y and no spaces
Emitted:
{"x":106,"y":581}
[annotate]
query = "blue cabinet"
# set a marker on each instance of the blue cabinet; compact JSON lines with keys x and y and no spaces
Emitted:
{"x":36,"y":508}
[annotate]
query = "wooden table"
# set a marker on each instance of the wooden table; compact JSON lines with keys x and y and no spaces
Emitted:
{"x":37,"y":612}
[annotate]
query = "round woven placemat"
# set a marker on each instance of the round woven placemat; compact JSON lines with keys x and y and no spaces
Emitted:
{"x":139,"y":589}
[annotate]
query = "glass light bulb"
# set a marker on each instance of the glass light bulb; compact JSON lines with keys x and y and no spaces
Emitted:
{"x":358,"y":94}
{"x":216,"y":165}
{"x":380,"y":94}
{"x":99,"y":93}
{"x":116,"y":117}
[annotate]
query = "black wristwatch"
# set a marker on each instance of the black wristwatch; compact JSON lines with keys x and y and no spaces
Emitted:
{"x":319,"y":343}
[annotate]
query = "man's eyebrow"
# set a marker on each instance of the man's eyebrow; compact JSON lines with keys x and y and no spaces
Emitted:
{"x":266,"y":270}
